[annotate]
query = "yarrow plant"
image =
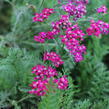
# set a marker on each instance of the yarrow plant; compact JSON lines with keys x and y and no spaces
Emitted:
{"x":43,"y":75}
{"x":68,"y":31}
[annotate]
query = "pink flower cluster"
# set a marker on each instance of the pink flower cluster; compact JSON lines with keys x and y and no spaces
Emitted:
{"x":61,"y":82}
{"x":43,"y":36}
{"x":97,"y":28}
{"x":55,"y":58}
{"x":102,"y":9}
{"x":43,"y":72}
{"x":77,"y":10}
{"x":41,"y":81}
{"x":63,"y":23}
{"x":39,"y":87}
{"x":72,"y":41}
{"x":46,"y":12}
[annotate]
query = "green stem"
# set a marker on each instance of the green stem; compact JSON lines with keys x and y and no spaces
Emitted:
{"x":41,"y":4}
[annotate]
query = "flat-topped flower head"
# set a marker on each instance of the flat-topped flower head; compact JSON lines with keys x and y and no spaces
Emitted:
{"x":62,"y":83}
{"x":55,"y":58}
{"x":43,"y":75}
{"x":42,"y":72}
{"x":38,"y":87}
{"x":77,"y":10}
{"x":43,"y":36}
{"x":97,"y":28}
{"x":62,"y":23}
{"x":102,"y":9}
{"x":46,"y":12}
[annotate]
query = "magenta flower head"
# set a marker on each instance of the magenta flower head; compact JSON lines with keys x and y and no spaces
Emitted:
{"x":43,"y":75}
{"x":71,"y":40}
{"x":62,"y":83}
{"x":102,"y":9}
{"x":97,"y":28}
{"x":43,"y":36}
{"x":41,"y":80}
{"x":46,"y":12}
{"x":77,"y":10}
{"x":54,"y":58}
{"x":62,"y":23}
{"x":59,"y":1}
{"x":38,"y":87}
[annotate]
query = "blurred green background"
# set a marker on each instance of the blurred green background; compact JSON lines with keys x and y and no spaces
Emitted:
{"x":19,"y":52}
